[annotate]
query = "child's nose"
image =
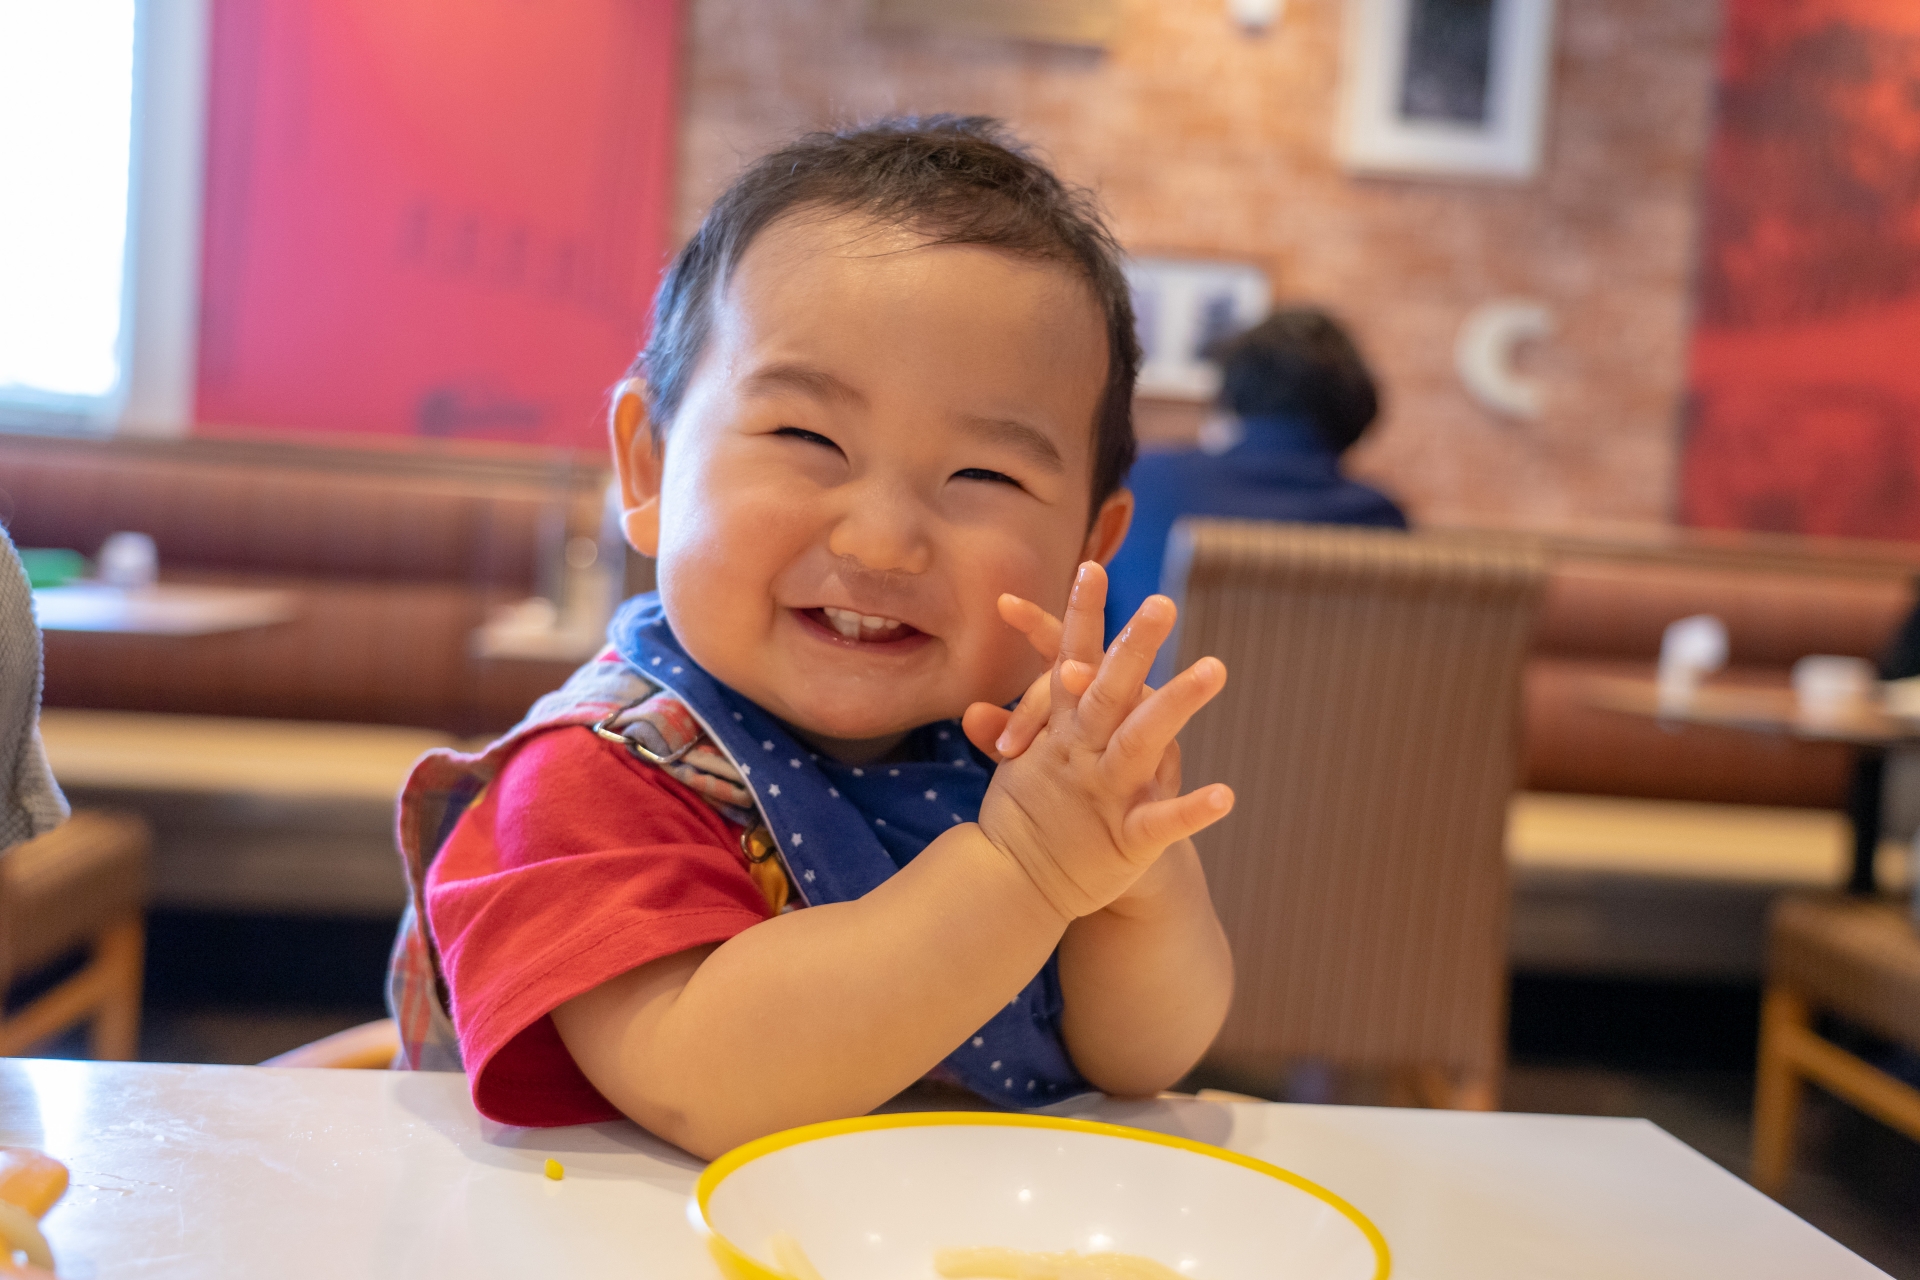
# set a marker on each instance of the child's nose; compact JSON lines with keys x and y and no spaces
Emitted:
{"x":885,"y":531}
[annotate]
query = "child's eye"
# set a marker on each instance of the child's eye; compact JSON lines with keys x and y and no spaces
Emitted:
{"x":811,"y":437}
{"x":981,"y":473}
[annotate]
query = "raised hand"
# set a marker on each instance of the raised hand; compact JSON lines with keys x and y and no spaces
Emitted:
{"x":1003,"y":734}
{"x":1093,"y":800}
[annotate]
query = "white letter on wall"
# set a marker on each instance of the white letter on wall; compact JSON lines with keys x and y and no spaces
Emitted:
{"x":1483,"y":354}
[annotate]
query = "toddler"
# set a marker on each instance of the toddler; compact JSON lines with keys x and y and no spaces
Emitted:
{"x":780,"y":851}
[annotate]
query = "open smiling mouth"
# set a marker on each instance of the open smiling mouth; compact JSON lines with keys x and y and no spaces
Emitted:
{"x":861,"y":628}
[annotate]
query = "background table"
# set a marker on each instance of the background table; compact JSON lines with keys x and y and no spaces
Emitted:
{"x":248,"y":1172}
{"x":167,"y":609}
{"x":1756,"y":709}
{"x":1770,"y":710}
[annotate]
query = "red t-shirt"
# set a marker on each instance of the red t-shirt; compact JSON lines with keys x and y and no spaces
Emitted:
{"x":578,"y":863}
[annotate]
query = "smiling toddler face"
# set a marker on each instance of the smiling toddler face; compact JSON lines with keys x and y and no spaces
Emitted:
{"x":880,"y":437}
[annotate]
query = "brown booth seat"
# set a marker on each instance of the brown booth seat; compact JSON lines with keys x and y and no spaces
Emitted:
{"x":396,"y":554}
{"x":1604,"y":613}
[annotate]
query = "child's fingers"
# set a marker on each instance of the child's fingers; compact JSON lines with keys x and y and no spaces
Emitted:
{"x":1041,"y":628}
{"x":983,"y":723}
{"x":1082,"y":630}
{"x":1027,"y":720}
{"x":1133,"y":752}
{"x":1163,"y":822}
{"x":1005,"y":734}
{"x":1115,"y":690}
{"x":1166,"y":775}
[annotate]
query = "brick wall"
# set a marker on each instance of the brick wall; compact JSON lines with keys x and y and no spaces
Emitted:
{"x":1203,"y":140}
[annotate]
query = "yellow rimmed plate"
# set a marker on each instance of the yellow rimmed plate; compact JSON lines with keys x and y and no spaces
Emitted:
{"x":873,"y":1198}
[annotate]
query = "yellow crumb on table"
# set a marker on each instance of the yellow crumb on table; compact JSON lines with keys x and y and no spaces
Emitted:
{"x":555,"y":1170}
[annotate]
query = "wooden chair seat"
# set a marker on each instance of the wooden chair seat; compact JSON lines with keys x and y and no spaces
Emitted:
{"x":83,"y":884}
{"x":370,"y":1046}
{"x":1855,"y":958}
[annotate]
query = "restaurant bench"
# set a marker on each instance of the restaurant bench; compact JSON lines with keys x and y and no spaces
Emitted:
{"x":397,"y":553}
{"x":1647,"y":851}
{"x":266,"y":758}
{"x":395,"y":556}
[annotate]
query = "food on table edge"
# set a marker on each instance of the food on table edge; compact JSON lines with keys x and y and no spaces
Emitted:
{"x":1000,"y":1264}
{"x":30,"y":1182}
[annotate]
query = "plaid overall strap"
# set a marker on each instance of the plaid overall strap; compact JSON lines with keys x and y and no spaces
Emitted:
{"x":618,"y":703}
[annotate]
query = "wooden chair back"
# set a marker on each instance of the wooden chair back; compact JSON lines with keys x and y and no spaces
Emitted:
{"x":1370,"y":729}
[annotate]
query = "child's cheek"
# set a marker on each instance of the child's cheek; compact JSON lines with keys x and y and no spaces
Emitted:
{"x":1008,"y":663}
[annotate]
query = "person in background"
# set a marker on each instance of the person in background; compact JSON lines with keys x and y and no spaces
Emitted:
{"x":1300,"y":396}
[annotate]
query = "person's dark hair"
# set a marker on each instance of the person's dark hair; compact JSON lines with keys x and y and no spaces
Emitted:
{"x":954,"y":179}
{"x":1300,"y":362}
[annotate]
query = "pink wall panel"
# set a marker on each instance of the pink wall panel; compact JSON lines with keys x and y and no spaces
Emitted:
{"x":432,"y":218}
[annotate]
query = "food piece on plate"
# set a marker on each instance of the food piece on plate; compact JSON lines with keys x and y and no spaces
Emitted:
{"x":1020,"y":1264}
{"x":19,"y":1233}
{"x":30,"y":1182}
{"x":555,"y":1169}
{"x":791,"y":1258}
{"x":31,"y":1179}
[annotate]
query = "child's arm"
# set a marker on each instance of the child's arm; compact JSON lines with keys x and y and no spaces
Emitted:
{"x":1147,"y":980}
{"x":830,"y":1011}
{"x":819,"y":1013}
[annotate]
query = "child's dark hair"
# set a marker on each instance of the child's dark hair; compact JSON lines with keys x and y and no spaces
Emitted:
{"x":1299,"y":361}
{"x":957,"y":180}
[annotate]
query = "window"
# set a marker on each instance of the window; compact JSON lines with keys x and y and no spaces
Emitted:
{"x":99,"y":123}
{"x":66,"y":124}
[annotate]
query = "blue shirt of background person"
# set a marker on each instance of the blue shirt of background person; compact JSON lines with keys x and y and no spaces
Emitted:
{"x":1302,"y":396}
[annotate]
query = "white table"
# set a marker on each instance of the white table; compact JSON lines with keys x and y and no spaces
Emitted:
{"x":247,"y":1172}
{"x":165,"y":609}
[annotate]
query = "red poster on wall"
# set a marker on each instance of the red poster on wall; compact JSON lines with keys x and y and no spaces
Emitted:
{"x":429,"y":218}
{"x":1805,"y":368}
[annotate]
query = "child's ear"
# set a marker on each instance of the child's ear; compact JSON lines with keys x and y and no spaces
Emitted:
{"x":636,"y":460}
{"x":1109,"y":527}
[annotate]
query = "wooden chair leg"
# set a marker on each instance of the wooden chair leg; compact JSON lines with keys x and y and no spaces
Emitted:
{"x":1777,"y":1089}
{"x":120,"y":954}
{"x":1477,"y":1092}
{"x":1438,"y":1088}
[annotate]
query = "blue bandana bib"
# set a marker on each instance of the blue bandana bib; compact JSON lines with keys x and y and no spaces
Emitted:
{"x":843,"y":829}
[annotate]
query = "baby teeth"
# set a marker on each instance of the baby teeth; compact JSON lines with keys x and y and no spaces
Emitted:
{"x":851,"y":624}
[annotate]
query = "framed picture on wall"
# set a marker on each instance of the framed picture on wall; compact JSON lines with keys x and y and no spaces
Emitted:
{"x":1445,"y":88}
{"x":1181,"y":307}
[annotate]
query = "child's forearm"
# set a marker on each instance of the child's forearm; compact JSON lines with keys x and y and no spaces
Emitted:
{"x":1147,"y":980}
{"x":819,"y":1013}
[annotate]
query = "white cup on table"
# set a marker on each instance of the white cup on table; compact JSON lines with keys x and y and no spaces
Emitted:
{"x":1689,"y":650}
{"x":129,"y":561}
{"x":1828,"y":686}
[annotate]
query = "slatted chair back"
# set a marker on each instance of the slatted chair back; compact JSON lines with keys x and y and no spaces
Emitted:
{"x":1370,"y":729}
